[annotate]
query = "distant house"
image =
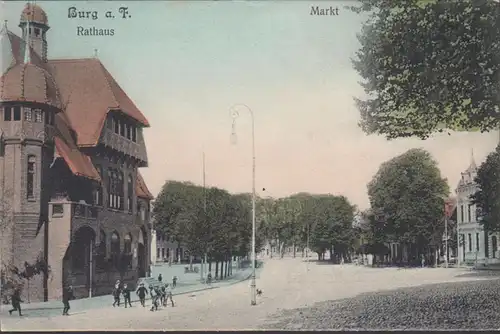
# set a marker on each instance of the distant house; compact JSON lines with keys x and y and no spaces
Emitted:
{"x":475,"y":245}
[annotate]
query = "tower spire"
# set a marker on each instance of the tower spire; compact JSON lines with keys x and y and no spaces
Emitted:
{"x":472,"y":160}
{"x":27,"y":51}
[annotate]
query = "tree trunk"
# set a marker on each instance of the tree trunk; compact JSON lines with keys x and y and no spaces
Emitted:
{"x":227,"y":267}
{"x":222,"y":269}
{"x":190,"y":263}
{"x":294,"y":250}
{"x":209,"y":265}
{"x":216,"y":269}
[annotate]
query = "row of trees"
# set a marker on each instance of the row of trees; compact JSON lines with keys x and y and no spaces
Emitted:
{"x":213,"y":222}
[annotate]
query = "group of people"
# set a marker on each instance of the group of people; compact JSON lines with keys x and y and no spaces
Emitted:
{"x":160,"y":294}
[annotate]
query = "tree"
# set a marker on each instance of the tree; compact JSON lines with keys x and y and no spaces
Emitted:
{"x":429,"y":66}
{"x":407,"y":199}
{"x":487,"y":198}
{"x":176,"y":204}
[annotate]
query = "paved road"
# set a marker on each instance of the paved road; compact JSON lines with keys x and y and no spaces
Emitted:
{"x":186,"y":283}
{"x":286,"y":284}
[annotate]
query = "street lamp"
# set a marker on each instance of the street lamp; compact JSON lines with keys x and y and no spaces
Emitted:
{"x":234,"y":114}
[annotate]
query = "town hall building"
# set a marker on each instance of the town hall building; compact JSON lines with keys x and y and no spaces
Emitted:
{"x":71,"y":145}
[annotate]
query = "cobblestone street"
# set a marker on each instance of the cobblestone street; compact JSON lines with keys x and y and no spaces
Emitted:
{"x":286,"y":285}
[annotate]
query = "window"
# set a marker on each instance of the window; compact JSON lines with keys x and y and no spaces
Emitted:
{"x":38,"y":115}
{"x":17,"y":113}
{"x":115,"y":189}
{"x":130,"y":192}
{"x":109,"y":123}
{"x":477,"y":242}
{"x":7,"y":114}
{"x":134,"y":134}
{"x":49,"y":118}
{"x":129,"y":132}
{"x":98,"y":196}
{"x":469,"y":212}
{"x":127,"y":244}
{"x":117,"y":125}
{"x":27,"y":114}
{"x":123,"y":130}
{"x":157,"y":253}
{"x":115,"y":248}
{"x":37,"y":32}
{"x":30,"y":187}
{"x":494,"y":245}
{"x":163,"y":253}
{"x":462,"y":216}
{"x":470,"y":242}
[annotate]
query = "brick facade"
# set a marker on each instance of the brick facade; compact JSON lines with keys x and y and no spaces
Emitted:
{"x":54,"y":200}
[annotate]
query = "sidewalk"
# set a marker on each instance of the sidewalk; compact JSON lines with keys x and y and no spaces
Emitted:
{"x":54,"y":308}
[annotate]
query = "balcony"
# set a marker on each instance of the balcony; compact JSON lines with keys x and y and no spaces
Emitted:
{"x":124,"y":145}
{"x":75,"y":214}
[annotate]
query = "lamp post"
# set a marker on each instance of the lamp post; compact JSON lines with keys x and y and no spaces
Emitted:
{"x":234,"y":114}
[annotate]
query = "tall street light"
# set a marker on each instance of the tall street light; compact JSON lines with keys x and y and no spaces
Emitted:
{"x":235,"y":114}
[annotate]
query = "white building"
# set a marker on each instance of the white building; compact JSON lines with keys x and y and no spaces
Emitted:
{"x":475,"y":246}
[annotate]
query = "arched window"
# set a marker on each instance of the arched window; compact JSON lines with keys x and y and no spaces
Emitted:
{"x":127,"y":244}
{"x":115,"y":247}
{"x":30,"y":177}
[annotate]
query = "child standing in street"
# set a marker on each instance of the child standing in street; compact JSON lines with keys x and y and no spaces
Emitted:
{"x":116,"y":294}
{"x":174,"y":281}
{"x":168,"y":295}
{"x":126,"y":295}
{"x":142,"y":292}
{"x":66,"y":297}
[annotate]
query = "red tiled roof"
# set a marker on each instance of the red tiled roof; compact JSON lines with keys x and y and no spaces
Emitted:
{"x":141,"y":189}
{"x":13,"y":43}
{"x":79,"y":163}
{"x":28,"y":82}
{"x":88,"y":93}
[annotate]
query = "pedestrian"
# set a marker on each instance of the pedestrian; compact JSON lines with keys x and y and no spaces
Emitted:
{"x":174,"y":281}
{"x":126,"y":295}
{"x":162,"y":295}
{"x":16,"y":301}
{"x":209,"y":278}
{"x":154,"y":299}
{"x":66,"y":297}
{"x":423,"y":261}
{"x":116,"y":294}
{"x":160,"y":278}
{"x":168,"y":295}
{"x":142,"y":292}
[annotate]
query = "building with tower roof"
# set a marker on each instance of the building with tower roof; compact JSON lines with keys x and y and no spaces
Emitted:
{"x":71,"y":145}
{"x":475,"y":245}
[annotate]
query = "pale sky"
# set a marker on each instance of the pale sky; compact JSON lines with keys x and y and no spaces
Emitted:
{"x":185,"y":64}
